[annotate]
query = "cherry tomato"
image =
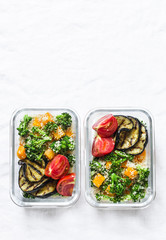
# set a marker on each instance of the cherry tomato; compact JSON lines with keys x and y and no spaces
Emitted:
{"x":66,"y":184}
{"x":106,"y":126}
{"x":58,"y":167}
{"x":102,"y":146}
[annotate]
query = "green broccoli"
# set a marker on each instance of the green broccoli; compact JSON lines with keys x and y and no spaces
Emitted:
{"x":71,"y":158}
{"x":63,"y":145}
{"x":36,"y":144}
{"x":118,"y":184}
{"x":39,"y":131}
{"x":124,"y":155}
{"x":96,"y":167}
{"x":64,"y":120}
{"x":23,"y":127}
{"x":138,"y":190}
{"x":49,"y":127}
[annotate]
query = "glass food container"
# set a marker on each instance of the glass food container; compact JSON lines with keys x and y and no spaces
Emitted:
{"x":142,"y":115}
{"x":15,"y":191}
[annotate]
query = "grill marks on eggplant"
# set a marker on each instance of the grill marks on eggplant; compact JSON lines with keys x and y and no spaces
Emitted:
{"x":141,"y":144}
{"x":46,"y":191}
{"x":27,"y":186}
{"x":127,"y":139}
{"x":124,"y":123}
{"x":134,"y":140}
{"x":32,"y":171}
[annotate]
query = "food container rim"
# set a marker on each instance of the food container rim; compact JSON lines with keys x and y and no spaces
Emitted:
{"x":11,"y":137}
{"x":120,"y":206}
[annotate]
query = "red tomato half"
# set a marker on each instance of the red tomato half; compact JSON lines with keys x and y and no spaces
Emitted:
{"x":66,"y":184}
{"x":106,"y":126}
{"x":58,"y":167}
{"x":102,"y":146}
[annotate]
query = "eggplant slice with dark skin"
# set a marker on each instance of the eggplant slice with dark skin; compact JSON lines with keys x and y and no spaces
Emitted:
{"x":32,"y":171}
{"x":124,"y":123}
{"x":46,"y":191}
{"x":27,"y":186}
{"x":141,"y":144}
{"x":127,"y":139}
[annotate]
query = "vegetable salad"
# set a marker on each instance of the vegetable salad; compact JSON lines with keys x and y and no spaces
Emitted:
{"x":119,"y":166}
{"x":46,"y":155}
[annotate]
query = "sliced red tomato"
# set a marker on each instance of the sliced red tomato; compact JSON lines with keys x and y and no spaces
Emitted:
{"x":58,"y":167}
{"x":106,"y":125}
{"x":102,"y":146}
{"x":66,"y":184}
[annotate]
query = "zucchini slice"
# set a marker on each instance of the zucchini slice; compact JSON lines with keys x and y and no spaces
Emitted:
{"x":127,"y":139}
{"x":46,"y":191}
{"x":124,"y":123}
{"x":27,"y":186}
{"x":141,"y":144}
{"x":32,"y":171}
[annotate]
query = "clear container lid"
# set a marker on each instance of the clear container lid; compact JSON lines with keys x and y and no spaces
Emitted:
{"x":146,"y":117}
{"x":15,"y":191}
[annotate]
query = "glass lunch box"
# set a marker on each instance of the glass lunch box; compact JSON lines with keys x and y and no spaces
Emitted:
{"x":146,"y":117}
{"x":15,"y":191}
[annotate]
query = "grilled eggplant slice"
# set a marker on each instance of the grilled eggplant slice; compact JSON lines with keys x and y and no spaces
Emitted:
{"x":27,"y":186}
{"x":46,"y":191}
{"x":127,"y":139}
{"x":141,"y":144}
{"x":32,"y":171}
{"x":124,"y":123}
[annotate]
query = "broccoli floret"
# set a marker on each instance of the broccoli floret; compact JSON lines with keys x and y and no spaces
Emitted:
{"x":23,"y":127}
{"x":124,"y":155}
{"x":39,"y":131}
{"x":118,"y":184}
{"x":63,"y":145}
{"x":49,"y":127}
{"x":35,"y":147}
{"x":138,"y":190}
{"x":64,"y":120}
{"x":71,"y":158}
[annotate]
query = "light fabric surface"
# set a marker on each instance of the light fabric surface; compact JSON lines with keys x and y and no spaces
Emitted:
{"x":82,"y":54}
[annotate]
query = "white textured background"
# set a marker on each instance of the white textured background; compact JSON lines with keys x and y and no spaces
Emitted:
{"x":83,"y":54}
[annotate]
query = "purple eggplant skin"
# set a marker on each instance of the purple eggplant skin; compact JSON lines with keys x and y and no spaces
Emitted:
{"x":33,"y":186}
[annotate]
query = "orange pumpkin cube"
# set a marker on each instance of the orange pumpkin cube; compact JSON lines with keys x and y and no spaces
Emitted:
{"x":21,"y":154}
{"x":58,"y":134}
{"x":124,"y":164}
{"x":98,"y":180}
{"x":47,"y":117}
{"x":139,"y":158}
{"x":37,"y":122}
{"x":69,"y":132}
{"x":108,"y":165}
{"x":49,"y":154}
{"x":131,"y":172}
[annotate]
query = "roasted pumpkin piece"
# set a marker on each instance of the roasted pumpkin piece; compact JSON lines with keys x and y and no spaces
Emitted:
{"x":47,"y":117}
{"x":58,"y":134}
{"x":37,"y":122}
{"x":49,"y":154}
{"x":131,"y":172}
{"x":21,"y":154}
{"x":69,"y":132}
{"x":108,"y":165}
{"x":98,"y":180}
{"x":124,"y":164}
{"x":141,"y":157}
